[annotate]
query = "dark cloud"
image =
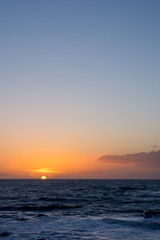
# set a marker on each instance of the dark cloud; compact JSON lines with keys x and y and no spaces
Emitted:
{"x":150,"y":159}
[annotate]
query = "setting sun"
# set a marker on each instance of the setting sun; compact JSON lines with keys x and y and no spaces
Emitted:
{"x":43,"y":177}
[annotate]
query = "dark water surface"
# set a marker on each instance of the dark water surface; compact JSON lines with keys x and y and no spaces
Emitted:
{"x":79,"y":209}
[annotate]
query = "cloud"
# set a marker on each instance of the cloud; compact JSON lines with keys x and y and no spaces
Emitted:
{"x":43,"y":170}
{"x":150,"y":159}
{"x":155,"y":146}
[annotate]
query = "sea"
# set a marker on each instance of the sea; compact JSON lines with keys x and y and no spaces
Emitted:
{"x":79,"y":209}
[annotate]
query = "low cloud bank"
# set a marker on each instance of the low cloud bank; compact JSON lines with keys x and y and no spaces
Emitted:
{"x":150,"y":159}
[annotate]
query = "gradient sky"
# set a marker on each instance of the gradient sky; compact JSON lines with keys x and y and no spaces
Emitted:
{"x":79,"y":81}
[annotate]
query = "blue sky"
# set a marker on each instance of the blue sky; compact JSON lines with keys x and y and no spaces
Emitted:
{"x":80,"y":74}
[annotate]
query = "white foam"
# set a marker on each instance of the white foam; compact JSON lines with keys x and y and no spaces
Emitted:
{"x":61,"y":227}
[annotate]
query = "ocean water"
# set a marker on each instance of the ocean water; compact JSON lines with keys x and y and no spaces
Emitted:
{"x":79,"y":209}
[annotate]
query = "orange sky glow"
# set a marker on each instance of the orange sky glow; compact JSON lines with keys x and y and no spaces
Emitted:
{"x":79,"y":89}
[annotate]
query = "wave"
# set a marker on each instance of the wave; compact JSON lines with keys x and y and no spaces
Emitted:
{"x":152,"y":224}
{"x":152,"y":213}
{"x":51,"y":199}
{"x":38,"y":208}
{"x":5,"y":234}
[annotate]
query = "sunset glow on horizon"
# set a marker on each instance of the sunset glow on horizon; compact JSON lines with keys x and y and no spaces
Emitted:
{"x":79,"y":89}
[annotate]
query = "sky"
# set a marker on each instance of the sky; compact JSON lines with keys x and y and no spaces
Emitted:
{"x":79,"y":88}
